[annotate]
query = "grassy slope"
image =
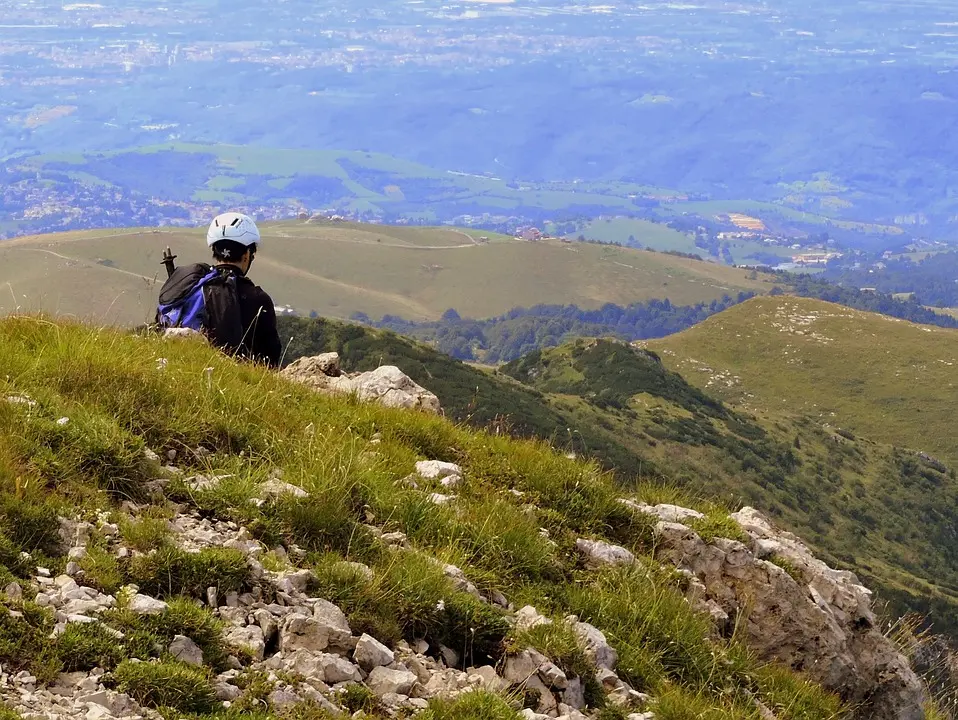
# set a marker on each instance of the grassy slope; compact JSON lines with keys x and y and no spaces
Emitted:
{"x":834,"y":491}
{"x":634,"y":416}
{"x":655,"y":235}
{"x":119,"y":399}
{"x":338,"y":269}
{"x":890,"y":380}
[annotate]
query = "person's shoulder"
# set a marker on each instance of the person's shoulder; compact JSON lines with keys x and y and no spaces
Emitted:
{"x":258,"y":291}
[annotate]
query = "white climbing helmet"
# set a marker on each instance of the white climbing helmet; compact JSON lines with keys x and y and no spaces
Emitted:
{"x":233,"y":226}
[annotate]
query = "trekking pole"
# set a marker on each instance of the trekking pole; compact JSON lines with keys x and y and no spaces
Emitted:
{"x":168,"y":258}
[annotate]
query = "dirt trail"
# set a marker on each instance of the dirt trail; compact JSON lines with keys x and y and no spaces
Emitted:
{"x":408,"y":303}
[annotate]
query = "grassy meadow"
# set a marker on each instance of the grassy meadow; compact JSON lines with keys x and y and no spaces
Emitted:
{"x":119,"y":399}
{"x":337,"y":269}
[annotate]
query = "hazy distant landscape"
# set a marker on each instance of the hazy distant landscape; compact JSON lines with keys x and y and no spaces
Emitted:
{"x":446,"y":111}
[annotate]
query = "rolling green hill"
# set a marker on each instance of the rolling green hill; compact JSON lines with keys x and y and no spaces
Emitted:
{"x":623,"y":407}
{"x":887,"y":379}
{"x":337,"y":269}
{"x":833,"y":488}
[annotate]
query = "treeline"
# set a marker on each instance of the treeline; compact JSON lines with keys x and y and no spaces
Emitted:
{"x":878,"y":302}
{"x":932,"y":280}
{"x":524,"y":330}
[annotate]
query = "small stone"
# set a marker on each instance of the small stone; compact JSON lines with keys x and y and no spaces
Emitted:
{"x":436,"y":469}
{"x":212,"y":597}
{"x":185,"y":650}
{"x":451,"y":482}
{"x":13,"y":591}
{"x":440,"y":499}
{"x":449,"y":656}
{"x":72,"y":568}
{"x":595,"y":645}
{"x":250,"y":637}
{"x":394,"y":538}
{"x":274,"y":488}
{"x":553,"y":676}
{"x":227,"y":692}
{"x":314,"y":634}
{"x":145,"y":605}
{"x":528,"y":617}
{"x":43,"y":572}
{"x":370,"y":653}
{"x":596,"y":554}
{"x":98,"y":698}
{"x":488,"y":677}
{"x":283,"y":698}
{"x":337,"y":670}
{"x":77,"y":553}
{"x":383,"y":681}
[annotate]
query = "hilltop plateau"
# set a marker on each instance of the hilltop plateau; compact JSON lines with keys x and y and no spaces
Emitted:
{"x":338,"y":269}
{"x":890,"y":380}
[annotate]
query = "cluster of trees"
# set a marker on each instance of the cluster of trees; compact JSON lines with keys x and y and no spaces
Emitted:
{"x":933,"y":280}
{"x":524,"y":330}
{"x":911,"y":309}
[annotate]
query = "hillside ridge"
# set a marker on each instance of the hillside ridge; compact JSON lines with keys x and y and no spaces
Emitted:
{"x":226,"y":536}
{"x":338,"y":269}
{"x":888,"y":379}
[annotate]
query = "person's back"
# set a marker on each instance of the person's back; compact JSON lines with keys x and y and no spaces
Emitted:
{"x":219,"y":300}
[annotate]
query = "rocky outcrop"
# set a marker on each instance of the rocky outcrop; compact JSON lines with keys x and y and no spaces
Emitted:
{"x":796,"y":609}
{"x":386,"y":384}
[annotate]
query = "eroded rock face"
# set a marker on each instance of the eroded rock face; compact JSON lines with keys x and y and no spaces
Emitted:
{"x":811,"y":617}
{"x":387,"y":384}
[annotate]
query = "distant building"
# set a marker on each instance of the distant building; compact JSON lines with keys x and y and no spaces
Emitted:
{"x":819,"y":258}
{"x":532,"y":234}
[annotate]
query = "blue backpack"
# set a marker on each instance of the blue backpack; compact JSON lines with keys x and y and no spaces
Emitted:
{"x":205,"y":299}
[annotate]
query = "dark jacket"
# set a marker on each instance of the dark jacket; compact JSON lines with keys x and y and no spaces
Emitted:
{"x":261,"y":341}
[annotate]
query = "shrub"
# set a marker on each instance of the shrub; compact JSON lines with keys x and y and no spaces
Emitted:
{"x":145,"y":534}
{"x":9,"y":714}
{"x":476,"y":705}
{"x":30,"y":523}
{"x":146,"y":633}
{"x":84,"y":646}
{"x":170,"y":571}
{"x":25,"y":642}
{"x":356,"y":698}
{"x":101,"y":570}
{"x":166,"y":684}
{"x":718,"y":524}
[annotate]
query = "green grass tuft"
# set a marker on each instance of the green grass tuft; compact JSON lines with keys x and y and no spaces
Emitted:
{"x":170,"y":572}
{"x":475,"y":705}
{"x":166,"y":685}
{"x":84,"y":646}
